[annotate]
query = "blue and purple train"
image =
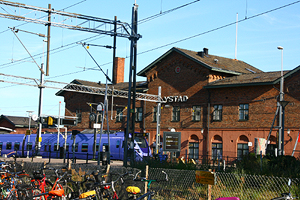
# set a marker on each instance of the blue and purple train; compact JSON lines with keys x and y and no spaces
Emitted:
{"x":11,"y":144}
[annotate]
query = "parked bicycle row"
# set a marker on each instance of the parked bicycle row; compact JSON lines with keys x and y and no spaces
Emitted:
{"x":95,"y":185}
{"x":50,"y":183}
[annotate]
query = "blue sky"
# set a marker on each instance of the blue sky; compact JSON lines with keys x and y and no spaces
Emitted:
{"x":263,"y":26}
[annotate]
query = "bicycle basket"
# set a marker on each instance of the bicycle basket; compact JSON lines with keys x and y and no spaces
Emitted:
{"x":38,"y":174}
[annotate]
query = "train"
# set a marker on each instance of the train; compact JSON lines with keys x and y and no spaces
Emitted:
{"x":24,"y":146}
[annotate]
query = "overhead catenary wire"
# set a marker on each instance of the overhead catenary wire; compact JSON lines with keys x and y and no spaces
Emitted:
{"x":97,"y":36}
{"x":107,"y":77}
{"x":165,"y":12}
{"x":16,"y":30}
{"x":175,"y":42}
{"x":41,"y":16}
{"x":220,"y":27}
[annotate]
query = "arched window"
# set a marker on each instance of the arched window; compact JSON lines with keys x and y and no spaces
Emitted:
{"x":194,"y":147}
{"x":217,"y":147}
{"x":242,"y":147}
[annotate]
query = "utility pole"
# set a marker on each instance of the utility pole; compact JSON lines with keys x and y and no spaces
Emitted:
{"x":281,"y":130}
{"x":282,"y":105}
{"x":131,"y":87}
{"x":280,"y":112}
{"x":58,"y":130}
{"x":114,"y":49}
{"x":106,"y":112}
{"x":158,"y":117}
{"x":39,"y":136}
{"x":29,"y":116}
{"x":48,"y":39}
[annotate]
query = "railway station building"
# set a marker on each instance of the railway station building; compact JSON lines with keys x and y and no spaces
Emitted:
{"x":222,"y":107}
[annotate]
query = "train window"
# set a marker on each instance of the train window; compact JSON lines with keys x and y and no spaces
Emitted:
{"x":1,"y":144}
{"x":55,"y":147}
{"x":29,"y":146}
{"x":141,"y":142}
{"x":17,"y":146}
{"x":118,"y":144}
{"x":97,"y":147}
{"x":67,"y":146}
{"x":8,"y":145}
{"x":84,"y":147}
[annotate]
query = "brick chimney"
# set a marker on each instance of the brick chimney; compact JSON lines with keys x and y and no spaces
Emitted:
{"x":118,"y":70}
{"x":203,"y":53}
{"x":205,"y":50}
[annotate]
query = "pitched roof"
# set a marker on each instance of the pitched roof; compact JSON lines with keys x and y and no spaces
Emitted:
{"x":265,"y":78}
{"x":140,"y":86}
{"x":19,"y":121}
{"x":212,"y":62}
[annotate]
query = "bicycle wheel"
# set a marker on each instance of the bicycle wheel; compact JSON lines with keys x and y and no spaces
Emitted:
{"x":68,"y":191}
{"x":23,"y":179}
{"x":36,"y":192}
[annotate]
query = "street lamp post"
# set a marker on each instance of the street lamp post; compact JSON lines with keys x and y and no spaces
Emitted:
{"x":281,"y":109}
{"x":29,"y":116}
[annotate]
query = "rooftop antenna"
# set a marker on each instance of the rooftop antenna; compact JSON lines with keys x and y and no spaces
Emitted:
{"x":236,"y":31}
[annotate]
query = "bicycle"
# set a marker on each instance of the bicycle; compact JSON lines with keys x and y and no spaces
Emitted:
{"x":13,"y":184}
{"x":52,"y":194}
{"x":43,"y":185}
{"x":149,"y":195}
{"x":90,"y":187}
{"x":40,"y":182}
{"x":78,"y":187}
{"x":120,"y":187}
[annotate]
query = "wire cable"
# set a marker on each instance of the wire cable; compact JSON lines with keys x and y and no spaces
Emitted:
{"x":178,"y":41}
{"x":218,"y":28}
{"x":42,"y":16}
{"x":165,"y":12}
{"x":141,"y":21}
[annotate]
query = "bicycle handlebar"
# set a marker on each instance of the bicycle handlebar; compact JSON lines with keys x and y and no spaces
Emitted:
{"x":150,"y":180}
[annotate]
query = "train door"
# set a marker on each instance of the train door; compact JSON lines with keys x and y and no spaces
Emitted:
{"x":17,"y":148}
{"x":115,"y":146}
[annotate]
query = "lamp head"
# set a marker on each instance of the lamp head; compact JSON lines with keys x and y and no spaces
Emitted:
{"x":280,"y":47}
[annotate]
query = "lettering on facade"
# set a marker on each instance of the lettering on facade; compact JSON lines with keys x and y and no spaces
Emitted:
{"x":176,"y":99}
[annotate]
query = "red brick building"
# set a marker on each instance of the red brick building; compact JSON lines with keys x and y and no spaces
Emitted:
{"x":219,"y":105}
